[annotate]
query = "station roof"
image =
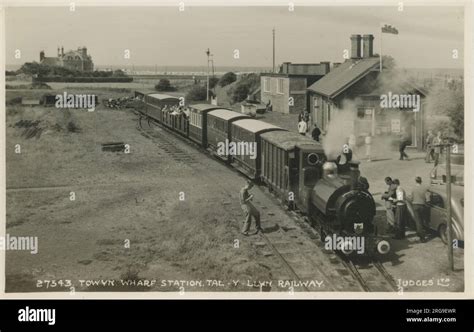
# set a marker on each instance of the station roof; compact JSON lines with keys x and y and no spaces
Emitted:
{"x":255,"y":126}
{"x":226,"y":114}
{"x":287,"y":140}
{"x":344,"y":76}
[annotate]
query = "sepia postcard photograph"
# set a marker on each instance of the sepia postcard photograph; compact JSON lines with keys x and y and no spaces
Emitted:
{"x":258,"y":150}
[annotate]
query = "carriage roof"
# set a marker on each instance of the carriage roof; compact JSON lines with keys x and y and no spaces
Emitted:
{"x":255,"y":126}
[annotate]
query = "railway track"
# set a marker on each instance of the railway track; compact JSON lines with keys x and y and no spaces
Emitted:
{"x":304,"y":264}
{"x":367,"y":270}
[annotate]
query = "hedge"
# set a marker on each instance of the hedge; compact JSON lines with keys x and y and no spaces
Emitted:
{"x":83,"y":79}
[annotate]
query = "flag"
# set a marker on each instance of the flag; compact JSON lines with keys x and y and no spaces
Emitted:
{"x":389,"y":29}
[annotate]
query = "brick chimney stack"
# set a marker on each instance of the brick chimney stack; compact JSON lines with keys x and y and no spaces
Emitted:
{"x":368,"y":41}
{"x":285,"y":68}
{"x":355,"y":47}
{"x":41,"y":56}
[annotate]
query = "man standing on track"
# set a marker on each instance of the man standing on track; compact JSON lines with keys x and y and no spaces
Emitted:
{"x":249,"y":210}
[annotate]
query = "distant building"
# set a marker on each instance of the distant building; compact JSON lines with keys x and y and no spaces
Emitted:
{"x":286,"y":90}
{"x":356,"y":81}
{"x":74,"y":60}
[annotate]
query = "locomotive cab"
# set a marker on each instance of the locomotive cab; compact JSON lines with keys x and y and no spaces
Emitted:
{"x":309,"y":163}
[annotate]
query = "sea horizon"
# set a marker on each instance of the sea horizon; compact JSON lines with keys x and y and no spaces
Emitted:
{"x":220,"y":70}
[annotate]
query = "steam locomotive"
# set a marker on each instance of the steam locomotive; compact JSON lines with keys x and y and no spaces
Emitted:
{"x":292,"y":166}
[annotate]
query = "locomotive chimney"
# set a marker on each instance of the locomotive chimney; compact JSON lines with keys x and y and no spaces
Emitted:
{"x":354,"y":174}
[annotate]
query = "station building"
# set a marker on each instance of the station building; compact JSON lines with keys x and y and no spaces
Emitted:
{"x":287,"y":89}
{"x":357,"y":86}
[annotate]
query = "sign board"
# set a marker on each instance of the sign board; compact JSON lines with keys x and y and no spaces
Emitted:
{"x":395,"y":125}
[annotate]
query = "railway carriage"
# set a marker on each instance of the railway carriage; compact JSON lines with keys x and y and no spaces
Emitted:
{"x":198,"y":122}
{"x":155,"y":102}
{"x":246,"y":132}
{"x":290,"y":165}
{"x":219,"y":122}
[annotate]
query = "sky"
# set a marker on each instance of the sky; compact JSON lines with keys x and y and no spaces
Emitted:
{"x":165,"y":36}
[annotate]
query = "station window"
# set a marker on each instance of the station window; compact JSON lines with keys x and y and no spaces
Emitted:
{"x":280,"y":85}
{"x":266,"y":84}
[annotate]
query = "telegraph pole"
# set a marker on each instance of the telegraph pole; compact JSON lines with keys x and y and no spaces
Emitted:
{"x":448,"y":207}
{"x":273,"y":31}
{"x":208,"y":53}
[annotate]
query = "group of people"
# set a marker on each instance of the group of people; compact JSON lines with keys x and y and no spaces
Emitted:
{"x":433,"y":147}
{"x":396,"y":201}
{"x":304,"y":120}
{"x":176,"y":110}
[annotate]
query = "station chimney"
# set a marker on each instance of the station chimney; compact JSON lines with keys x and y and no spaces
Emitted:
{"x":368,"y":42}
{"x":355,"y":47}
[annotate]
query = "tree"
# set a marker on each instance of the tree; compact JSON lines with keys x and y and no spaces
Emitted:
{"x":118,"y":73}
{"x":388,"y":63}
{"x":456,"y":114}
{"x":213,"y":82}
{"x":449,"y":102}
{"x":227,"y":78}
{"x":34,"y":68}
{"x":197,"y":93}
{"x":164,"y":85}
{"x":246,"y":84}
{"x":240,"y":92}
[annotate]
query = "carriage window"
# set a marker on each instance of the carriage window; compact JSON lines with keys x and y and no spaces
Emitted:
{"x":199,"y":118}
{"x":436,"y":200}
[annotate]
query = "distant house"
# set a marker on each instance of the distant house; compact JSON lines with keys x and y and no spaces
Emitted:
{"x":73,"y":59}
{"x":356,"y":82}
{"x":286,"y":90}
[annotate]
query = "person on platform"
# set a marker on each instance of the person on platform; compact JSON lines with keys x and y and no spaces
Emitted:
{"x":437,"y":145}
{"x":404,"y":139}
{"x":368,"y":147}
{"x":400,"y":211}
{"x":316,"y":132}
{"x":388,"y":197}
{"x":429,"y":147}
{"x":418,"y":198}
{"x":302,"y":127}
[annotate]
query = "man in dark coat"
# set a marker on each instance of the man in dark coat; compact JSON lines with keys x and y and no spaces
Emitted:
{"x":316,"y":132}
